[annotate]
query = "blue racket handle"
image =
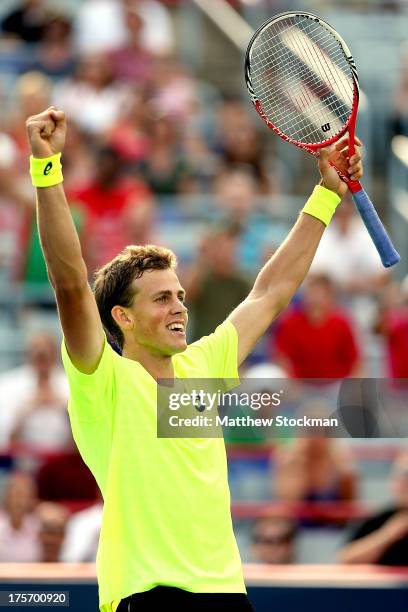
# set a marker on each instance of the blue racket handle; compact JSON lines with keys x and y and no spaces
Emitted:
{"x":389,"y":256}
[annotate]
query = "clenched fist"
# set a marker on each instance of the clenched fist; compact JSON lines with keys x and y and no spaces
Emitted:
{"x":46,"y":132}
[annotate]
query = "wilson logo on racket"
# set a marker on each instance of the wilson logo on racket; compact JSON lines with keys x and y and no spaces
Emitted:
{"x":326,"y":127}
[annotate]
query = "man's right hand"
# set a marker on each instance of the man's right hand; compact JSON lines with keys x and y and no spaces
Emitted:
{"x":46,"y":132}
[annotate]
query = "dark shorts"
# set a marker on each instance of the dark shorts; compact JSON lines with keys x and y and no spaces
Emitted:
{"x":177,"y":600}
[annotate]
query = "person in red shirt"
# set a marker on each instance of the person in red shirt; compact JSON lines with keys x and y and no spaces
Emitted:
{"x":392,"y":324}
{"x":316,"y":340}
{"x":118,"y":210}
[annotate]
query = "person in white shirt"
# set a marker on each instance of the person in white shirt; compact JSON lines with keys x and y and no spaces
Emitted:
{"x":110,"y":33}
{"x":348,"y":256}
{"x":82,"y":535}
{"x":40,"y":374}
{"x":19,"y":525}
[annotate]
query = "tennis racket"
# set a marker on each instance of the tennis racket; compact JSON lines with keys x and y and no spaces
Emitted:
{"x":303,"y":82}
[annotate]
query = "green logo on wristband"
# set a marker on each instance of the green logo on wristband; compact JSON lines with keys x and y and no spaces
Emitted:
{"x":48,"y":168}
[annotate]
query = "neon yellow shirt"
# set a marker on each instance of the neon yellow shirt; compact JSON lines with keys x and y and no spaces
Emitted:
{"x":166,"y":517}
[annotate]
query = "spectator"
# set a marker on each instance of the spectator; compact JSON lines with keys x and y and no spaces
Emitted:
{"x":165,"y":169}
{"x":314,"y":469}
{"x":32,"y":94}
{"x":232,"y":117}
{"x":157,"y":36}
{"x":392,"y":324}
{"x":262,"y":377}
{"x":215,"y":273}
{"x":42,"y":423}
{"x":53,"y":519}
{"x":203,"y":163}
{"x":26,"y":21}
{"x":92,"y":97}
{"x":158,"y":32}
{"x":347,"y":254}
{"x":12,"y":204}
{"x":267,"y":373}
{"x":316,"y":339}
{"x":79,"y":160}
{"x":82,"y":536}
{"x":131,"y":62}
{"x":274,"y":541}
{"x":110,"y":33}
{"x":131,"y":134}
{"x":118,"y":210}
{"x":175,"y":92}
{"x":55,"y":56}
{"x":236,"y":191}
{"x":19,"y":525}
{"x":400,"y":119}
{"x":64,"y":477}
{"x":41,"y":374}
{"x":383,"y":538}
{"x":239,"y":142}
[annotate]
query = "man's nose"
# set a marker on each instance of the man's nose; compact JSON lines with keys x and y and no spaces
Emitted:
{"x":179,"y":306}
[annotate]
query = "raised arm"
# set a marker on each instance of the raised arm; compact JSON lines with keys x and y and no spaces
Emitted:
{"x":371,"y":547}
{"x":60,"y":244}
{"x":284,"y":272}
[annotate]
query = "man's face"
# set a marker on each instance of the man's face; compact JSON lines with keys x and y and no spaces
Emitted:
{"x":274,"y":542}
{"x":223,"y":258}
{"x":317,"y":296}
{"x":159,"y":314}
{"x":42,"y":354}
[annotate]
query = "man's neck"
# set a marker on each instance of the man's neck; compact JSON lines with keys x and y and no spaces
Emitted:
{"x":158,"y":366}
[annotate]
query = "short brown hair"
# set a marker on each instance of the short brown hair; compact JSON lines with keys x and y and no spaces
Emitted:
{"x":113,"y":282}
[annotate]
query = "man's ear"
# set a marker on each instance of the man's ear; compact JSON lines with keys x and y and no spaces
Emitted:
{"x":122,"y":317}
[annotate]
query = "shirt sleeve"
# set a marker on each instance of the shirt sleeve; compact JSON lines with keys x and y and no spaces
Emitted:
{"x":91,"y":395}
{"x":220,"y":351}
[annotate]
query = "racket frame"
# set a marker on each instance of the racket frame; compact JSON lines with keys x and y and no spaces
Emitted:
{"x":350,"y":124}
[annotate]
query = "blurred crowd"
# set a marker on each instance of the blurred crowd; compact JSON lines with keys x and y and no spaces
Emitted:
{"x":147,"y":140}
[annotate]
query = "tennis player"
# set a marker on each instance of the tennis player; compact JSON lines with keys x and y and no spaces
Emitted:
{"x":167,"y":541}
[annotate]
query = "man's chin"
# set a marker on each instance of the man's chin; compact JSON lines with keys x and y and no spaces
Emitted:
{"x":179,"y":348}
{"x":174,"y":348}
{"x":175,"y":344}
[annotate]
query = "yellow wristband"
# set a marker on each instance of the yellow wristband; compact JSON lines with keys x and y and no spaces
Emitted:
{"x":322,"y":204}
{"x":46,"y":171}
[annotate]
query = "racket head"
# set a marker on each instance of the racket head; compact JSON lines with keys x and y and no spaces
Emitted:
{"x":302,"y":79}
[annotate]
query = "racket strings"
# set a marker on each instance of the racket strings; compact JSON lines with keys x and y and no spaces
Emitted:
{"x":303,"y":98}
{"x":307,"y":88}
{"x":302,"y":78}
{"x":303,"y":48}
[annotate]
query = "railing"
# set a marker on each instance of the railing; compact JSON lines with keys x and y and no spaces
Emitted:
{"x":328,"y":512}
{"x":228,"y":20}
{"x":255,"y":574}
